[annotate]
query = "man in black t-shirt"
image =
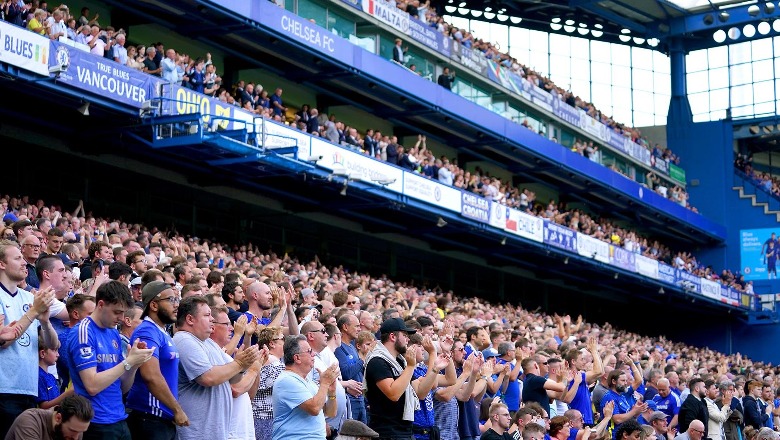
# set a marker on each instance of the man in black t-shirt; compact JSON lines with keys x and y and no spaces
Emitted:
{"x":499,"y":423}
{"x":387,"y":382}
{"x":535,"y":387}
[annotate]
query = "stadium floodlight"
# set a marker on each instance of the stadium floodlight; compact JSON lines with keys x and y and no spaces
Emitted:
{"x":441,"y":222}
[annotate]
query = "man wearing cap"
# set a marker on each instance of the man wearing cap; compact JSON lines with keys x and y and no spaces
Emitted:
{"x":658,"y":422}
{"x":388,"y":376}
{"x":356,"y":430}
{"x":309,"y":298}
{"x":153,"y":398}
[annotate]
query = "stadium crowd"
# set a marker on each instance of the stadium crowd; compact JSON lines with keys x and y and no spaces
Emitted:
{"x":143,"y":333}
{"x":763,"y":180}
{"x":200,"y":74}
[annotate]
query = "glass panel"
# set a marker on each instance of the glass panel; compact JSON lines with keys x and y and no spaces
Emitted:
{"x":739,"y":53}
{"x":762,"y":49}
{"x":763,"y":92}
{"x":641,"y":58}
{"x":765,"y":108}
{"x":763,"y":70}
{"x":643,"y":80}
{"x":312,"y":11}
{"x":643,"y":119}
{"x":581,"y":88}
{"x":662,"y":84}
{"x":719,"y":78}
{"x":717,"y":115}
{"x":538,"y":41}
{"x":738,"y":112}
{"x":580,"y":48}
{"x":340,"y":25}
{"x":741,"y":95}
{"x":719,"y":99}
{"x":697,"y":82}
{"x":621,"y":97}
{"x":699,"y":103}
{"x":643,"y":102}
{"x":621,"y":76}
{"x":621,"y":54}
{"x":696,"y":61}
{"x":741,"y":74}
{"x":602,"y":96}
{"x":660,"y":62}
{"x":560,"y":45}
{"x":661,"y":106}
{"x":601,"y":72}
{"x":560,"y":70}
{"x":599,"y":51}
{"x":718,"y":56}
{"x":580,"y":69}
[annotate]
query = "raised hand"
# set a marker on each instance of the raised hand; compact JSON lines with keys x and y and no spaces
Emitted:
{"x":609,"y":408}
{"x":240,"y":325}
{"x":428,"y":346}
{"x":42,"y":300}
{"x":251,"y":327}
{"x":247,"y":356}
{"x":411,"y":356}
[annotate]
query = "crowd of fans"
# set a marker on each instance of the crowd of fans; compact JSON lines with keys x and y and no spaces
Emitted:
{"x":765,"y":181}
{"x":423,"y":11}
{"x":143,"y":333}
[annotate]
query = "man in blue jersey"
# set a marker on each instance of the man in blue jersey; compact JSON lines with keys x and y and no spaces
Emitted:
{"x":618,"y":385}
{"x":351,"y":365}
{"x":510,"y":389}
{"x":667,"y":402}
{"x":578,"y":396}
{"x":19,"y":336}
{"x":95,"y":361}
{"x":153,"y":398}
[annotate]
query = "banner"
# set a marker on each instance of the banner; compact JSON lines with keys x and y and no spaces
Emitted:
{"x":618,"y":141}
{"x":277,"y":135}
{"x":357,"y":4}
{"x":660,"y":164}
{"x":540,"y":97}
{"x":758,"y":252}
{"x":388,"y":13}
{"x":302,"y":31}
{"x":102,"y":76}
{"x":431,"y":191}
{"x":429,"y":36}
{"x":622,"y":258}
{"x":475,"y":207}
{"x":565,"y":111}
{"x":24,"y":49}
{"x":687,"y":281}
{"x":710,"y":289}
{"x":560,"y":236}
{"x":498,"y":215}
{"x":677,"y":173}
{"x":215,"y":113}
{"x":524,"y":225}
{"x":359,"y":166}
{"x":592,"y":248}
{"x":473,"y":59}
{"x":646,"y":266}
{"x":666,"y":273}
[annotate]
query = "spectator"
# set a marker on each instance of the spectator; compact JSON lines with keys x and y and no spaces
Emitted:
{"x":694,"y":407}
{"x":579,"y":386}
{"x":316,"y":337}
{"x":351,"y":366}
{"x":205,"y":372}
{"x":299,"y":405}
{"x":667,"y":402}
{"x":150,"y":66}
{"x":500,"y":422}
{"x":48,"y":390}
{"x":19,"y":336}
{"x":399,"y":52}
{"x":717,"y":415}
{"x":535,"y":385}
{"x":67,"y":421}
{"x":233,"y":294}
{"x":31,"y":250}
{"x":695,"y":431}
{"x":631,"y":430}
{"x":120,"y":52}
{"x":618,"y":391}
{"x":153,"y":396}
{"x":446,"y":79}
{"x":262,"y":406}
{"x":392,"y":398}
{"x":276,"y":103}
{"x":753,"y":415}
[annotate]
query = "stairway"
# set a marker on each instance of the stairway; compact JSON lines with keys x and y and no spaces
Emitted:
{"x":754,"y":202}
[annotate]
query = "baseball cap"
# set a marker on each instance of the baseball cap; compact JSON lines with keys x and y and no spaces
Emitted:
{"x":151,"y":291}
{"x":356,"y":428}
{"x":395,"y":325}
{"x":135,"y":281}
{"x":307,"y":292}
{"x":10,"y":218}
{"x":657,"y":415}
{"x":67,"y":261}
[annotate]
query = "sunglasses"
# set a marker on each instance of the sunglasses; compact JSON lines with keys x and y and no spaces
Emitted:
{"x":322,"y":330}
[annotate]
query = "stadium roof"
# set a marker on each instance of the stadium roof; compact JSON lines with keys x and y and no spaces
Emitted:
{"x":655,"y":24}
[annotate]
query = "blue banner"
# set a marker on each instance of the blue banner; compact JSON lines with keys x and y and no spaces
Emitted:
{"x":687,"y":281}
{"x":226,"y":116}
{"x":428,"y":36}
{"x":622,"y":258}
{"x":303,"y":31}
{"x":560,"y":236}
{"x":618,"y":141}
{"x":357,"y":4}
{"x":475,"y":207}
{"x":666,"y":273}
{"x":102,"y":76}
{"x":565,"y":112}
{"x":758,"y":251}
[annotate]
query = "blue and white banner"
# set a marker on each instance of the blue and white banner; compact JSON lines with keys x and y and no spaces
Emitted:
{"x":498,"y":215}
{"x":183,"y":101}
{"x":475,"y":207}
{"x":541,"y":98}
{"x":592,"y":248}
{"x":431,"y":191}
{"x":646,"y":266}
{"x":430,"y":37}
{"x":758,"y":252}
{"x":359,"y":166}
{"x":710,"y":289}
{"x":275,"y":135}
{"x":565,"y":111}
{"x":357,"y":4}
{"x":388,"y":13}
{"x":102,"y":76}
{"x":525,"y":225}
{"x":560,"y":236}
{"x":666,"y":273}
{"x":24,"y":49}
{"x":622,"y":258}
{"x":687,"y":281}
